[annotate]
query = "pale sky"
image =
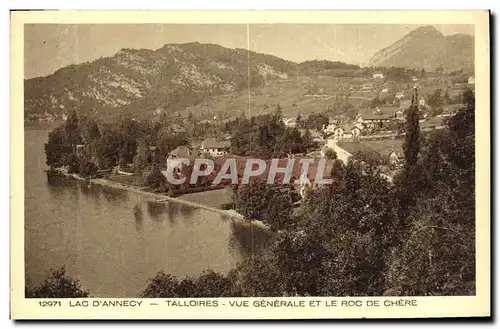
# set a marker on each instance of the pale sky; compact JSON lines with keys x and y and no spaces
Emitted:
{"x":49,"y":47}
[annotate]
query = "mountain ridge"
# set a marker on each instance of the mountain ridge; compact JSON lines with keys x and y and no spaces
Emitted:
{"x":427,"y":48}
{"x":170,"y":78}
{"x":149,"y":78}
{"x":177,"y":76}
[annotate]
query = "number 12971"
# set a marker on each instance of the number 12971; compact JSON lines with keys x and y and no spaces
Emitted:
{"x":49,"y":303}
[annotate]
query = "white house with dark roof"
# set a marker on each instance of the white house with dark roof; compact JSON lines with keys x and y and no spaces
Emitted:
{"x":359,"y":125}
{"x":330,"y":127}
{"x":338,"y":133}
{"x":378,"y":75}
{"x":215,"y":147}
{"x":290,"y":122}
{"x":400,"y":114}
{"x":355,"y":131}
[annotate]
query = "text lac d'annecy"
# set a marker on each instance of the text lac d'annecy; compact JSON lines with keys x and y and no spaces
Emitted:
{"x":105,"y":303}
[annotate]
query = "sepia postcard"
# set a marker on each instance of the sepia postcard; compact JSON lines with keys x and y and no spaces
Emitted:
{"x":250,"y":164}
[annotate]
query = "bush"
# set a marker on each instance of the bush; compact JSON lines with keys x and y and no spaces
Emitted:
{"x":88,"y":169}
{"x":73,"y":163}
{"x":157,"y":181}
{"x":57,"y":285}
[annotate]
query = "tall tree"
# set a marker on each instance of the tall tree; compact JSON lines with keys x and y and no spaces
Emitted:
{"x":437,"y":254}
{"x":71,"y":129}
{"x":278,"y":111}
{"x":57,"y":148}
{"x":411,"y":144}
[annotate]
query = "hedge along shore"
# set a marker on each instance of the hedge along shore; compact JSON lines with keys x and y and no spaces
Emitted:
{"x":160,"y":197}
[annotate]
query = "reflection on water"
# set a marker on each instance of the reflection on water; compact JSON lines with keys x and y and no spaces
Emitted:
{"x":114,"y":195}
{"x":156,"y":209}
{"x":91,"y":190}
{"x":112,"y":240}
{"x":138,"y":213}
{"x":139,"y":217}
{"x":248,"y":239}
{"x":175,"y":210}
{"x":56,"y":180}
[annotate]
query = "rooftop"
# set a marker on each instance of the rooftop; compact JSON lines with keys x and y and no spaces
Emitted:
{"x":181,"y":152}
{"x":377,"y":117}
{"x":382,"y":147}
{"x":212,"y":143}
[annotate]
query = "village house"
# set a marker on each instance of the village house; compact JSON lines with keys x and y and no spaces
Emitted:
{"x":338,"y":133}
{"x":367,"y":86}
{"x":330,"y":127}
{"x":378,"y":75}
{"x":390,"y":151}
{"x":421,"y":102}
{"x":174,"y":158}
{"x":384,"y":92}
{"x":448,"y":112}
{"x":471,"y":80}
{"x":395,"y":159}
{"x":347,"y":135}
{"x":214,"y":147}
{"x":400,"y":115}
{"x":315,"y":135}
{"x":399,"y":95}
{"x":158,"y":111}
{"x":290,"y":122}
{"x":355,"y":131}
{"x":180,"y":152}
{"x":414,"y":78}
{"x":372,"y":122}
{"x":360,"y":126}
{"x":47,"y":117}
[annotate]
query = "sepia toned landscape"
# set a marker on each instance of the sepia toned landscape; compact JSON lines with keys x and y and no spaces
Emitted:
{"x":385,"y":112}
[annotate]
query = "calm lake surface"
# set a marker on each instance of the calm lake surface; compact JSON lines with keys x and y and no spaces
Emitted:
{"x":113,"y":240}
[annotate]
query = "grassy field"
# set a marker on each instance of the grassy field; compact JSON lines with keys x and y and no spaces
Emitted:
{"x":299,"y":94}
{"x":306,"y":95}
{"x":382,"y":147}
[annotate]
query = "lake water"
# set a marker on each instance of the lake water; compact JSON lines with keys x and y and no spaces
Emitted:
{"x":113,"y":240}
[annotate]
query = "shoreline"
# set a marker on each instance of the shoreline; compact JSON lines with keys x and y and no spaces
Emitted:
{"x":160,"y":197}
